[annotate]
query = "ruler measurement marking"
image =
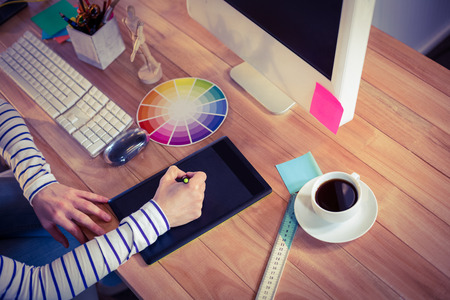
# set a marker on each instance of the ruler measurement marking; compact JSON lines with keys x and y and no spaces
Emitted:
{"x":279,"y":254}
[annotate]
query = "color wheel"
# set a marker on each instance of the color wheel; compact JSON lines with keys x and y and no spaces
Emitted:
{"x":182,"y":111}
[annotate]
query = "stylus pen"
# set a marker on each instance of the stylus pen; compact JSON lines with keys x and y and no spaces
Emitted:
{"x":184,"y":179}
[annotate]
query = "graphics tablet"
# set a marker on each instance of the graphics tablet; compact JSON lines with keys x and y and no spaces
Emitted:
{"x":232,"y":184}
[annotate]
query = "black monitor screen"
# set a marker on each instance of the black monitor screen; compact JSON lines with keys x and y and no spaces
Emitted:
{"x":308,"y":28}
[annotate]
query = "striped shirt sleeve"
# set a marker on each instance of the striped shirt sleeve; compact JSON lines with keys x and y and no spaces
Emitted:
{"x":72,"y":273}
{"x":21,"y":154}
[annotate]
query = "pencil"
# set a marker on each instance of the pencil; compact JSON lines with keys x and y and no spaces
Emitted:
{"x":69,"y":21}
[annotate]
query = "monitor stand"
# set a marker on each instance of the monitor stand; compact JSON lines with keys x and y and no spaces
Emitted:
{"x":270,"y":96}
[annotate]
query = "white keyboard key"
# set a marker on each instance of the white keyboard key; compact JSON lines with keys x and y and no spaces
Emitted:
{"x":93,"y":91}
{"x":76,"y":117}
{"x":107,"y":138}
{"x":81,"y":138}
{"x":72,"y":118}
{"x":114,"y":121}
{"x":121,"y":126}
{"x":109,"y":117}
{"x":106,"y":126}
{"x":110,"y":105}
{"x":115,"y":109}
{"x":40,"y":100}
{"x":89,"y":134}
{"x":52,"y":111}
{"x":82,"y":105}
{"x":68,"y":97}
{"x":70,"y":128}
{"x":90,"y":112}
{"x":66,"y":124}
{"x":113,"y":131}
{"x":91,"y":124}
{"x":96,"y":147}
{"x":97,"y":107}
{"x":62,"y":121}
{"x":94,"y":138}
{"x":77,"y":89}
{"x":28,"y":88}
{"x":89,"y":99}
{"x":101,"y":133}
{"x":120,"y":114}
{"x":103,"y":113}
{"x":95,"y":128}
{"x":126,"y":119}
{"x":56,"y":104}
{"x":97,"y":119}
{"x":103,"y":99}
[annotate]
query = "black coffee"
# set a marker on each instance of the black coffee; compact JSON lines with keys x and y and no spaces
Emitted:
{"x":336,"y":195}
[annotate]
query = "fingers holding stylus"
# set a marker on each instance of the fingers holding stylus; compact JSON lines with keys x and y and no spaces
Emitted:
{"x":181,"y":203}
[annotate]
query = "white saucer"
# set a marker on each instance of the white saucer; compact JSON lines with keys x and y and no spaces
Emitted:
{"x":335,"y":232}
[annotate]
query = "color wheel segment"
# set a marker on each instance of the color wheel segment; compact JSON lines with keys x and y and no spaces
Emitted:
{"x":182,"y":111}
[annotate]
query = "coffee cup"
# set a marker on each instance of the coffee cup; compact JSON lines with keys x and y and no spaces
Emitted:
{"x":336,"y":196}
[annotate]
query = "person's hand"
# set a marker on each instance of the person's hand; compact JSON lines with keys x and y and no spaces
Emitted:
{"x":180,"y":202}
{"x":67,"y":207}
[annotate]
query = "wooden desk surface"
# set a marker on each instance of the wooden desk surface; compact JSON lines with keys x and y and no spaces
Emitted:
{"x":398,"y":142}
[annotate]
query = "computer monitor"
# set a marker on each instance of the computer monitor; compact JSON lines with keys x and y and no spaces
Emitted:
{"x":289,"y":46}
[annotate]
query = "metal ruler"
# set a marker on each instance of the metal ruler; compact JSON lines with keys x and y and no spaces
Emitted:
{"x":280,"y":252}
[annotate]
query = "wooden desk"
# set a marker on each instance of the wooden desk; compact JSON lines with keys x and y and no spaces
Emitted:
{"x":398,"y":142}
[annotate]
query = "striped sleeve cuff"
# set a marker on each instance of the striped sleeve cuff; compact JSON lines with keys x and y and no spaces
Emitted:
{"x":134,"y":234}
{"x":38,"y":185}
{"x":19,"y":151}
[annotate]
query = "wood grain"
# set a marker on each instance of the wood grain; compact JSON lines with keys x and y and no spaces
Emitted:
{"x":398,"y":142}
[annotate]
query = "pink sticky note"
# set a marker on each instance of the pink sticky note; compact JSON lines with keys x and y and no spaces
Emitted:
{"x":61,"y":39}
{"x":326,"y":108}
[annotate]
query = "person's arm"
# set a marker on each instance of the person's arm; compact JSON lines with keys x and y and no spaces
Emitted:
{"x":71,"y":274}
{"x":54,"y":203}
{"x":21,"y":154}
{"x":174,"y":204}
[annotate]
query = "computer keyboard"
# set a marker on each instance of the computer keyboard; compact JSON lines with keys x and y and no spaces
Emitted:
{"x":79,"y":107}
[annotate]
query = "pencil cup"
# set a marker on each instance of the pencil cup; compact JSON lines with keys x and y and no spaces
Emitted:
{"x":101,"y":48}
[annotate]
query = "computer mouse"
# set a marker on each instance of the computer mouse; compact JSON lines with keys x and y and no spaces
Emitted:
{"x":125,"y":146}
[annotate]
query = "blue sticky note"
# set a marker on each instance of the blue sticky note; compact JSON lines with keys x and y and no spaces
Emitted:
{"x":298,"y":171}
{"x":46,"y":36}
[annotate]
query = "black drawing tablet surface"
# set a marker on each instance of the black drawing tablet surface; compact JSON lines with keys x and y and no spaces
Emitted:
{"x":232,"y":184}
